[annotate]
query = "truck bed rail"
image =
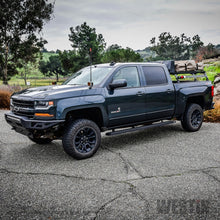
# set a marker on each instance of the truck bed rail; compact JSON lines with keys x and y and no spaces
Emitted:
{"x":193,"y":75}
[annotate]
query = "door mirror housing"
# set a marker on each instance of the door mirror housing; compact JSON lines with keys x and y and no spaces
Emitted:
{"x":118,"y":83}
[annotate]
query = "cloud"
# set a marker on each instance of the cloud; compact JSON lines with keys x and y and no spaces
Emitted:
{"x":134,"y":22}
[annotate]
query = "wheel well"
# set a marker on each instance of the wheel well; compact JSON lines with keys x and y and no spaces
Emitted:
{"x":93,"y":114}
{"x":197,"y":100}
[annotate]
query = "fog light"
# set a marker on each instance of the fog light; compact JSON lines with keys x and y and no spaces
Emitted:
{"x":43,"y":115}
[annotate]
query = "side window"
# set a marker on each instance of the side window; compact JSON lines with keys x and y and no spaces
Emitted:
{"x":130,"y":74}
{"x":154,"y":75}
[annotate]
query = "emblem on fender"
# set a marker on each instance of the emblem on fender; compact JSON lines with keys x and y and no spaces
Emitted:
{"x":117,"y":111}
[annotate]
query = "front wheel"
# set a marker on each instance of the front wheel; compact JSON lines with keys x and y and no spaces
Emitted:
{"x":82,"y":139}
{"x":193,"y":118}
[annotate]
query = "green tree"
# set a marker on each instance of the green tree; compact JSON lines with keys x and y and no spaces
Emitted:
{"x":130,"y":55}
{"x":51,"y":67}
{"x":113,"y":53}
{"x":175,"y":47}
{"x":118,"y":54}
{"x":83,"y":38}
{"x":71,"y":61}
{"x":196,"y":45}
{"x":30,"y":56}
{"x":19,"y":23}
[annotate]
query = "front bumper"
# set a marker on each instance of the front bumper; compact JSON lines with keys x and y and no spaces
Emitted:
{"x":23,"y":124}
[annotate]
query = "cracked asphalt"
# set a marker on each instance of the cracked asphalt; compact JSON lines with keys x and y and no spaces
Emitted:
{"x":161,"y":173}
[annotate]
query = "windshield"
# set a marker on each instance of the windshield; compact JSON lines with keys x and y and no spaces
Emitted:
{"x":82,"y":77}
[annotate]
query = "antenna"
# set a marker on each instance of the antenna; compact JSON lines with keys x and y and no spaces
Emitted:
{"x":90,"y":84}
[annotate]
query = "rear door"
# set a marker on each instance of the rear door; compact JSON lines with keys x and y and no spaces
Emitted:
{"x":126,"y":105}
{"x":160,"y":95}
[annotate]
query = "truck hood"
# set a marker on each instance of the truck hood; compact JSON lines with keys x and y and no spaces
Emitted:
{"x":47,"y":92}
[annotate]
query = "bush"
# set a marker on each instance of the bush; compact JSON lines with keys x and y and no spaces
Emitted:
{"x":5,"y":94}
{"x":214,"y":114}
{"x":5,"y":99}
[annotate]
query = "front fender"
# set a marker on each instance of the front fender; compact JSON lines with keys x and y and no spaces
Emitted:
{"x":66,"y":105}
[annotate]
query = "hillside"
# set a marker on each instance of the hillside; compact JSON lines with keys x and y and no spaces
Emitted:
{"x":146,"y":53}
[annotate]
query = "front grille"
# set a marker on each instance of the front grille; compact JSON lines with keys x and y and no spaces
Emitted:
{"x":23,"y":103}
{"x":23,"y":108}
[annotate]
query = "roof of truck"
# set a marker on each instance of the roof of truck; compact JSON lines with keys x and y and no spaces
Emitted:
{"x":113,"y":64}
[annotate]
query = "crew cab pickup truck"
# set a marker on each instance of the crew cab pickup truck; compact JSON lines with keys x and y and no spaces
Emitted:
{"x":120,"y":97}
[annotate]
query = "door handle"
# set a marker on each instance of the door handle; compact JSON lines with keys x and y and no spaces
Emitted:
{"x":140,"y":93}
{"x":169,"y":91}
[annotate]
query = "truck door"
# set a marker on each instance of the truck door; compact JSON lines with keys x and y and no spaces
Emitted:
{"x":160,"y":95}
{"x":127,"y":104}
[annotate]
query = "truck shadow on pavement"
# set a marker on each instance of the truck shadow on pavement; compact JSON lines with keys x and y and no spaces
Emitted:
{"x":54,"y":151}
{"x":141,"y":137}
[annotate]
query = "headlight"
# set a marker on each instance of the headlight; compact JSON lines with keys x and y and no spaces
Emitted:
{"x":43,"y":104}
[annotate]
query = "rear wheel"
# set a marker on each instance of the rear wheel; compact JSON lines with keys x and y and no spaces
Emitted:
{"x":82,"y":139}
{"x":193,"y":118}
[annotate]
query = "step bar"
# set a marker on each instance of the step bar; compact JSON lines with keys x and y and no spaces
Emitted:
{"x":162,"y":123}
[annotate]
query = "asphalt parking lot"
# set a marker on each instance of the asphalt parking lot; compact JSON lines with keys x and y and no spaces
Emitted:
{"x":161,"y":173}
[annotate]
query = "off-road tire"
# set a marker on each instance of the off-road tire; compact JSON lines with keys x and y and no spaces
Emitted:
{"x":40,"y":140}
{"x":193,"y":118}
{"x":81,"y":139}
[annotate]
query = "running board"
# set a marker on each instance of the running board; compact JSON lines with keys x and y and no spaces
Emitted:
{"x":139,"y":128}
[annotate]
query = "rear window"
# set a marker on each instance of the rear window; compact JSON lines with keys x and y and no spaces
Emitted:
{"x":154,"y":75}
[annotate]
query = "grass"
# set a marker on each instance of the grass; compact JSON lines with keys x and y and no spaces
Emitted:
{"x":212,"y":71}
{"x":34,"y":82}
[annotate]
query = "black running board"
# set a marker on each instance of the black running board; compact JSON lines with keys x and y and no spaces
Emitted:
{"x":139,"y":128}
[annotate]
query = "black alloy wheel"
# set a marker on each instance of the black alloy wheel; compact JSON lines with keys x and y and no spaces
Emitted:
{"x":192,"y":118}
{"x":196,"y":119}
{"x":82,"y":139}
{"x":85,"y":140}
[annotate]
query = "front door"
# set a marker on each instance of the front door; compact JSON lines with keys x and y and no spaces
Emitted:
{"x":126,"y":105}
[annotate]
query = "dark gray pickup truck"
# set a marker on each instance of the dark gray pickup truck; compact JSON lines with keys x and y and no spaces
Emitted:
{"x":131,"y":96}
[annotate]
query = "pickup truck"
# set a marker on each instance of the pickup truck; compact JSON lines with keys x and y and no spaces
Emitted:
{"x":118,"y":97}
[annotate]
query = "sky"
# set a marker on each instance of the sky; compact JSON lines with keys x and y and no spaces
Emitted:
{"x":133,"y":23}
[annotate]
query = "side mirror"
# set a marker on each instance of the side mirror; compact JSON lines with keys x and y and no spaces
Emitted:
{"x":118,"y":83}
